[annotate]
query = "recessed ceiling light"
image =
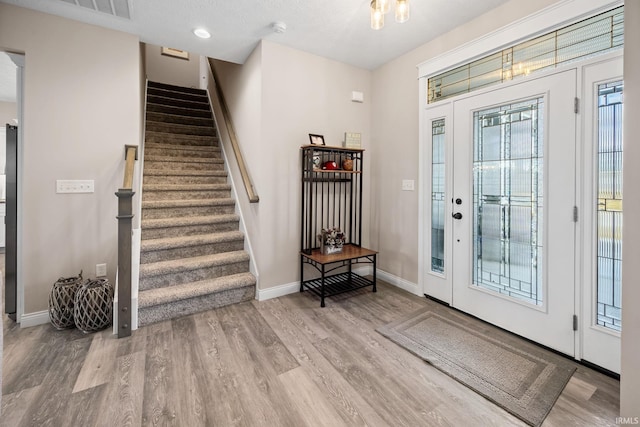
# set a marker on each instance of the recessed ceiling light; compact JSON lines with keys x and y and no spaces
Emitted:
{"x":202,"y":33}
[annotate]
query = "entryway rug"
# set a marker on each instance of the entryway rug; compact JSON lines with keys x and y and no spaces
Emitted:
{"x":515,"y":374}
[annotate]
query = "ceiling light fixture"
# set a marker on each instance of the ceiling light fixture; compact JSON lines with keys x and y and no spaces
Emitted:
{"x":380,"y":7}
{"x":202,"y":33}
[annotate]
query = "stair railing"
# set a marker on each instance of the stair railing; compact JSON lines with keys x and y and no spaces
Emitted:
{"x":233,"y":138}
{"x":125,"y":215}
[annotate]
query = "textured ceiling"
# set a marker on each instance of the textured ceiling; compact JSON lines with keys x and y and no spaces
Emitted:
{"x":336,"y":29}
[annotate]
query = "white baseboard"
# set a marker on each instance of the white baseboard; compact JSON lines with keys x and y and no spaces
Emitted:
{"x":400,"y":282}
{"x":293,"y":287}
{"x":278,"y":291}
{"x":28,"y":320}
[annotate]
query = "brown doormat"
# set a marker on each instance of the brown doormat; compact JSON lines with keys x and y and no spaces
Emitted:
{"x":515,"y":374}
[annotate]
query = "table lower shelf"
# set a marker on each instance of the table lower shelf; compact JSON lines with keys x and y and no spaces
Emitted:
{"x":336,"y":284}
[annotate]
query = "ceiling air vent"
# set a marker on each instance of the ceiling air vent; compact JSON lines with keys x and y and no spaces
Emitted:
{"x":119,"y":8}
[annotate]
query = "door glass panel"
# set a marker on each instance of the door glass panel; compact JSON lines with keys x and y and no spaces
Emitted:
{"x":610,"y":205}
{"x":437,"y":196}
{"x":508,"y":200}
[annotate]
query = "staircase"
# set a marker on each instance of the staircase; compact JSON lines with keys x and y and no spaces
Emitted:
{"x":192,"y":254}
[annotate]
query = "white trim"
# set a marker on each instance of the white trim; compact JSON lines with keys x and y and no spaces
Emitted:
{"x":545,"y":20}
{"x":34,"y":319}
{"x":278,"y":291}
{"x":399,"y":282}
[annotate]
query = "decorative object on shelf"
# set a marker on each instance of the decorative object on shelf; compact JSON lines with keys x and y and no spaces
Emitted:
{"x":316,"y":160}
{"x":347,"y":164}
{"x":380,"y":7}
{"x":61,"y":301}
{"x":176,"y":53}
{"x":331,"y":241}
{"x":330,"y":166}
{"x":316,"y":139}
{"x":352,"y":140}
{"x":94,"y":305}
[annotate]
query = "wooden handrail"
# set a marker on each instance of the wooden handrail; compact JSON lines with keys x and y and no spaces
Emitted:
{"x":131,"y":155}
{"x":246,"y":179}
{"x":125,"y":215}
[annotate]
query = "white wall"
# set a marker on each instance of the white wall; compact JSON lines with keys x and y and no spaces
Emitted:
{"x":81,"y":105}
{"x":8,"y":112}
{"x":168,"y":69}
{"x":394,"y":224}
{"x":630,"y":376}
{"x":276,"y":99}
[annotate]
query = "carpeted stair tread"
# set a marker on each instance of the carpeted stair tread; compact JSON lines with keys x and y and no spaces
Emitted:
{"x":182,"y":111}
{"x":179,"y":139}
{"x":175,"y":88}
{"x":185,"y":172}
{"x":180,"y":119}
{"x":186,"y":241}
{"x":170,"y":150}
{"x":175,"y":102}
{"x":185,"y":187}
{"x":159,"y":296}
{"x":184,"y":265}
{"x":188,"y":220}
{"x":180,"y":129}
{"x":186,"y":203}
{"x":154,"y":158}
{"x":177,"y":95}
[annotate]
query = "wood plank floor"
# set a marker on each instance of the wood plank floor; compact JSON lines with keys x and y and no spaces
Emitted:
{"x":281,"y":362}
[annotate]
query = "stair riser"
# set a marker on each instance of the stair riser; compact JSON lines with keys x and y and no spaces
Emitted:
{"x":182,"y":152}
{"x":177,"y":95}
{"x":177,"y":103}
{"x":158,"y":213}
{"x":185,"y":194}
{"x":179,"y":119}
{"x":184,"y":179}
{"x":180,"y":129}
{"x":191,"y":251}
{"x":188,"y":230}
{"x":178,"y":278}
{"x":186,"y":307}
{"x":159,"y":108}
{"x":183,"y":166}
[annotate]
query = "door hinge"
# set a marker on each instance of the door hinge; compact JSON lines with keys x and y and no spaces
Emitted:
{"x":575,"y":322}
{"x":575,"y":214}
{"x":576,"y":105}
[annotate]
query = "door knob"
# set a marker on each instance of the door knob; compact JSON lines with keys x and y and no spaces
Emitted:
{"x":457,"y":215}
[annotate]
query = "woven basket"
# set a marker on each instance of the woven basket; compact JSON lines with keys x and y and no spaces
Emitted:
{"x":61,"y":301}
{"x":93,"y":308}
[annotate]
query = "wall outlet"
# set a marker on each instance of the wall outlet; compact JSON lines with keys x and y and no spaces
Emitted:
{"x":101,"y":270}
{"x":74,"y":186}
{"x":407,"y":185}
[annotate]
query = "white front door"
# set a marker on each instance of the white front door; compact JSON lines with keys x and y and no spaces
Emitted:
{"x":512,"y":216}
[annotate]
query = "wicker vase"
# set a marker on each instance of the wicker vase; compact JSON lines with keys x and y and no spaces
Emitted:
{"x":93,"y":308}
{"x":61,"y":301}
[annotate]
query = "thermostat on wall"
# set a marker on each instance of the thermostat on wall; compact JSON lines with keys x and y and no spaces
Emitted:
{"x":352,"y":140}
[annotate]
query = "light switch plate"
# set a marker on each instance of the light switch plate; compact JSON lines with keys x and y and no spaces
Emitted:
{"x":407,"y":185}
{"x":74,"y":186}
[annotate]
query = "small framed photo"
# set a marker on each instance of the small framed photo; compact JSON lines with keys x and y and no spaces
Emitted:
{"x":176,"y":53}
{"x":316,"y":139}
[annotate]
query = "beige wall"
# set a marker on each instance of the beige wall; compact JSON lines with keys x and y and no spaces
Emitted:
{"x":276,"y":99}
{"x":81,"y":105}
{"x":167,"y":69}
{"x":8,"y":112}
{"x":630,"y":377}
{"x":394,"y":224}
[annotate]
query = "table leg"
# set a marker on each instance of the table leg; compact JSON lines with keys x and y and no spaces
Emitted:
{"x":374,"y":273}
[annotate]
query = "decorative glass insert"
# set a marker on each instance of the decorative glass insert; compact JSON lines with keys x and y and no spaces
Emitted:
{"x":437,"y":195}
{"x":609,"y":304}
{"x":596,"y":35}
{"x":508,"y":179}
